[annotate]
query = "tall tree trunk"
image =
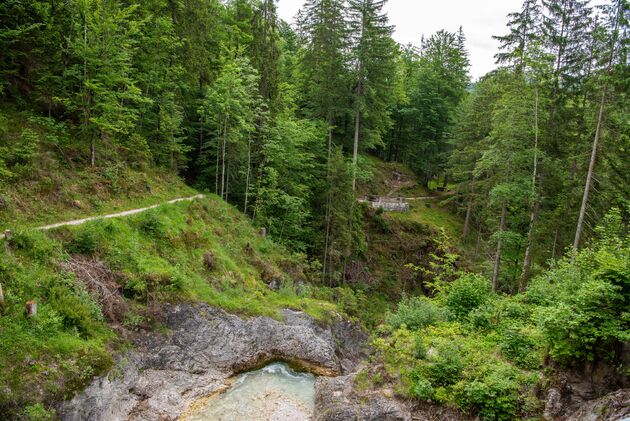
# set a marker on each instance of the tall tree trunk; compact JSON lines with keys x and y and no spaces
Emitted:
{"x":357,"y":128}
{"x":249,"y":164}
{"x":600,"y":117}
{"x":467,"y":220}
{"x":555,"y":242}
{"x":227,"y":181}
{"x":478,"y":242}
{"x":216,"y":172}
{"x":497,"y":260}
{"x":589,"y":175}
{"x":223,"y":159}
{"x":328,"y":205}
{"x":92,"y":153}
{"x":527,"y":260}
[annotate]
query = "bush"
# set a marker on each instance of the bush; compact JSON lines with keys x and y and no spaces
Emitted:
{"x":445,"y":364}
{"x":493,"y":392}
{"x":467,"y":293}
{"x":151,"y":224}
{"x":415,"y":313}
{"x":38,"y":412}
{"x":85,"y":242}
{"x":521,"y":344}
{"x":421,"y":387}
{"x":77,"y":311}
{"x":34,"y":244}
{"x":583,"y":301}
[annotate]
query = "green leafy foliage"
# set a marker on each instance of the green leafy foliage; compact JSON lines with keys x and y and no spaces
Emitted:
{"x":415,"y":313}
{"x":467,"y":293}
{"x":582,"y":301}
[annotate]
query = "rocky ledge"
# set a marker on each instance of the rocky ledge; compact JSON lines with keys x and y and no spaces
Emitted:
{"x":202,"y":348}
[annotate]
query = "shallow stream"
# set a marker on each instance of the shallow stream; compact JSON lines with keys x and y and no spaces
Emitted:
{"x":273,"y":393}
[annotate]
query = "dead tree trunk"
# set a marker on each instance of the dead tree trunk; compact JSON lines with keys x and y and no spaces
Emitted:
{"x":357,"y":128}
{"x":223,"y":159}
{"x":92,"y":153}
{"x":249,"y":165}
{"x":328,"y":205}
{"x":589,"y":175}
{"x":600,"y":118}
{"x":527,"y":259}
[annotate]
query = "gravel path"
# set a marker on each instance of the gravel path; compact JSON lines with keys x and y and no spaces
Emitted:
{"x":112,"y":215}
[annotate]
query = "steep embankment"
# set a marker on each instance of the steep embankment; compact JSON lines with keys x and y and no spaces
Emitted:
{"x":96,"y":285}
{"x":44,"y":177}
{"x":400,"y":246}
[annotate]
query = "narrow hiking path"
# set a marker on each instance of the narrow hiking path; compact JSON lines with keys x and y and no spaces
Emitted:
{"x":112,"y":215}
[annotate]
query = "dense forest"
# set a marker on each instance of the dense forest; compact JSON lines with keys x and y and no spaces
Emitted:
{"x":276,"y":118}
{"x":283,"y":121}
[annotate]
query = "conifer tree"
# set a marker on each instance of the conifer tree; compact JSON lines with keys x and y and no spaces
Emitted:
{"x":524,"y":32}
{"x":102,"y":48}
{"x":373,"y":53}
{"x":325,"y":88}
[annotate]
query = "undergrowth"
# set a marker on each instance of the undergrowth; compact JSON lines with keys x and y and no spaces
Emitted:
{"x":485,"y":353}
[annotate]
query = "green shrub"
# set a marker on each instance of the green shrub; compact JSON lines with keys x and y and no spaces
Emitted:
{"x":582,"y":301}
{"x":415,"y":313}
{"x":492,"y":391}
{"x":77,"y":311}
{"x":38,"y":412}
{"x":151,"y":224}
{"x":467,"y":293}
{"x":34,"y":244}
{"x":85,"y":241}
{"x":521,"y":344}
{"x":421,"y":387}
{"x":445,"y":364}
{"x":380,"y":220}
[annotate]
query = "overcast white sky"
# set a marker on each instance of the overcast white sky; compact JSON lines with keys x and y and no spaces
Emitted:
{"x":480,"y":19}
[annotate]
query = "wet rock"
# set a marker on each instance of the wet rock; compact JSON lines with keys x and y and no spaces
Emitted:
{"x":203,"y":347}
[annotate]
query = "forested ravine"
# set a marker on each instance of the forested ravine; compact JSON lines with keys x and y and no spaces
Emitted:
{"x":487,"y":279}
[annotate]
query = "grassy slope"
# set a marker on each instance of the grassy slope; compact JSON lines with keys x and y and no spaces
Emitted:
{"x":154,"y":256}
{"x":44,"y":177}
{"x":431,"y":214}
{"x":397,"y":239}
{"x":379,"y":181}
{"x":63,"y":194}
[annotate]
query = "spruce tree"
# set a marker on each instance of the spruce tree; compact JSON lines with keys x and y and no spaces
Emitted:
{"x":524,"y":32}
{"x":373,"y":54}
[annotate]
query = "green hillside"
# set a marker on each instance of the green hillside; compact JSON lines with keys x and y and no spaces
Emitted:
{"x":94,"y":282}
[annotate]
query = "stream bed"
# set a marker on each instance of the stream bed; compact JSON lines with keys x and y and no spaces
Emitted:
{"x":273,"y":393}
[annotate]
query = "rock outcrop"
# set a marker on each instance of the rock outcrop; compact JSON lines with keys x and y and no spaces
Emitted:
{"x":337,"y":400}
{"x":615,"y":407}
{"x":201,"y":349}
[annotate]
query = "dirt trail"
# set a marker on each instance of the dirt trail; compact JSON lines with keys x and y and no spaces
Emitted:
{"x":112,"y":215}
